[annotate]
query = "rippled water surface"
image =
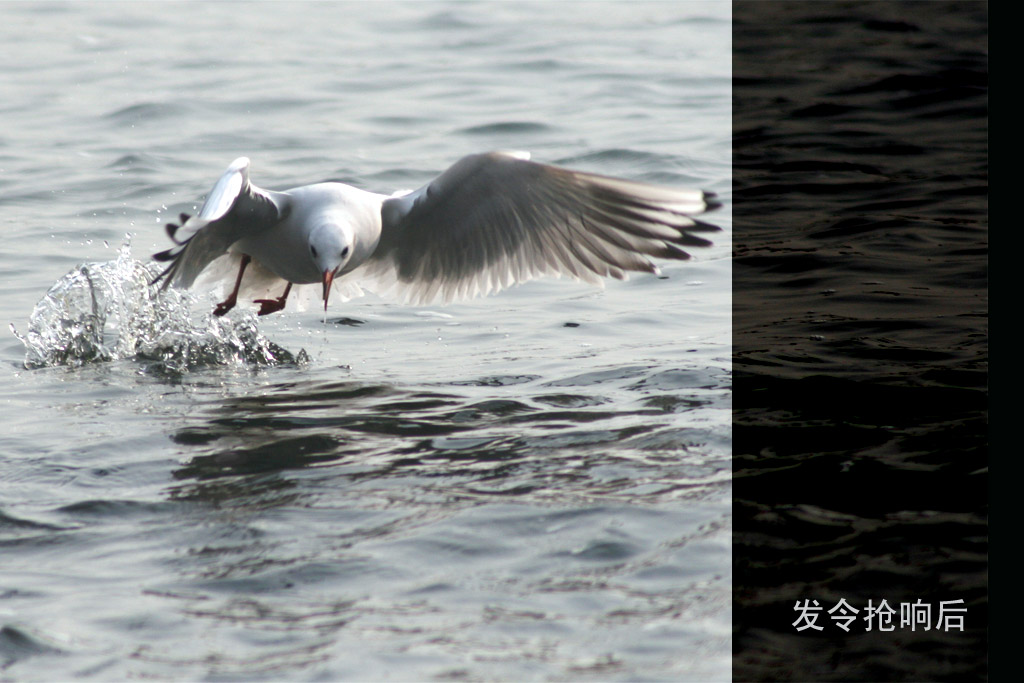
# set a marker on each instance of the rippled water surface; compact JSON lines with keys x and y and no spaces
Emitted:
{"x":530,"y":486}
{"x":860,"y":335}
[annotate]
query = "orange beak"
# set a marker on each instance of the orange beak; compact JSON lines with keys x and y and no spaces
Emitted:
{"x":328,"y":280}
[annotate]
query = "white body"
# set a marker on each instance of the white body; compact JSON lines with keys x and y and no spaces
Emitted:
{"x":329,"y":207}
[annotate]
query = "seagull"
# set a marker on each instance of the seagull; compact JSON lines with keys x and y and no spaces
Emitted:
{"x":490,"y":221}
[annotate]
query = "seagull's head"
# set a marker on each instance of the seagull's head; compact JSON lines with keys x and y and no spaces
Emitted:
{"x":330,"y":248}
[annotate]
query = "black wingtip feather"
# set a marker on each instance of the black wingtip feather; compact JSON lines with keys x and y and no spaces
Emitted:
{"x":666,"y":250}
{"x":710,"y":202}
{"x":689,"y":240}
{"x":701,"y":226}
{"x":674,"y":252}
{"x":161,"y":276}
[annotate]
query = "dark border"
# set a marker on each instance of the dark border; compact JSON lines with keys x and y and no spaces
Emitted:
{"x":860,"y":466}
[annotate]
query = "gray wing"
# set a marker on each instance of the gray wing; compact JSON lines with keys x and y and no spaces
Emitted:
{"x":496,"y":219}
{"x":234,"y":209}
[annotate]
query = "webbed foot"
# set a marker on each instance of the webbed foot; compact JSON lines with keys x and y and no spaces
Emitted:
{"x":268,"y":306}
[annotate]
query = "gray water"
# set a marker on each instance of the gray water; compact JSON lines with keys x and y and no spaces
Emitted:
{"x":532,"y":486}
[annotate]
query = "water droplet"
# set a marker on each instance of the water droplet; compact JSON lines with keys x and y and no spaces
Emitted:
{"x":109,"y":310}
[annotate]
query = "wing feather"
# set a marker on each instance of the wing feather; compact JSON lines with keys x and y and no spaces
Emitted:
{"x":234,"y":209}
{"x":492,"y":220}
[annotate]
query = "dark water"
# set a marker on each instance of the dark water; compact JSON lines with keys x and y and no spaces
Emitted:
{"x":533,"y":486}
{"x":860,"y":334}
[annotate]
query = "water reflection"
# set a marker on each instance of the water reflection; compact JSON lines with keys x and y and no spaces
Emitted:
{"x":539,"y":443}
{"x":507,"y":510}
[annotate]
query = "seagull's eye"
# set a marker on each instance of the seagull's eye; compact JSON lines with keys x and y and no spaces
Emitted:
{"x":344,"y":252}
{"x":313,"y":250}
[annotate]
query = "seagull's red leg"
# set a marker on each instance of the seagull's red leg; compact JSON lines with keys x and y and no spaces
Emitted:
{"x":274,"y":305}
{"x":229,"y":303}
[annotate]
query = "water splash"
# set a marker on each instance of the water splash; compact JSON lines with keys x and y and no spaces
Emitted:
{"x":108,"y":311}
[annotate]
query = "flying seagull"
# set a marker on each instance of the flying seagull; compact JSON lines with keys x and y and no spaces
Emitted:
{"x":489,"y":221}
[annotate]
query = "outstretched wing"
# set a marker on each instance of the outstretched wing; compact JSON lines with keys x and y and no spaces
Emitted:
{"x":234,"y":209}
{"x":496,"y":219}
